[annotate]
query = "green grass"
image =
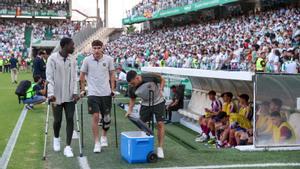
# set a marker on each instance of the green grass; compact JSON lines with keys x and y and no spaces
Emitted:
{"x":28,"y":149}
{"x":10,"y":108}
{"x":180,"y":148}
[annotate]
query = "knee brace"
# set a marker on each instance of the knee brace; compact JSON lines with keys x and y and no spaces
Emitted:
{"x":106,"y":122}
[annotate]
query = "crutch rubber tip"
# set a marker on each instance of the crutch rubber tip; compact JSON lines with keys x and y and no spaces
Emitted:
{"x":81,"y":155}
{"x":44,"y":158}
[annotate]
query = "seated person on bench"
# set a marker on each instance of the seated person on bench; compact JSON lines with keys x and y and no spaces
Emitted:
{"x":283,"y":133}
{"x":177,"y":102}
{"x":210,"y":113}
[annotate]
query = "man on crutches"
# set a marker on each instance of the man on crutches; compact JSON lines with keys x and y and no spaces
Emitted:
{"x":99,"y":72}
{"x":149,"y":87}
{"x":62,"y":91}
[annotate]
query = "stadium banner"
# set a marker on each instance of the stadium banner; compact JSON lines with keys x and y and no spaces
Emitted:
{"x":177,"y":10}
{"x":46,"y":13}
{"x":277,"y":115}
{"x":26,"y":13}
{"x":3,"y":11}
{"x":11,"y":12}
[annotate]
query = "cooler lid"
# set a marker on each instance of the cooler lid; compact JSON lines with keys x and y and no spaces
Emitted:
{"x":136,"y":134}
{"x":141,"y":125}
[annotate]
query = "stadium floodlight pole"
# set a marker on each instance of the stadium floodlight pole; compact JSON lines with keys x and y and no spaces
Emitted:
{"x":97,"y":10}
{"x":105,"y":13}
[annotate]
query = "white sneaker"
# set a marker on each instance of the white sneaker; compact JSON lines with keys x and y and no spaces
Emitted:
{"x":202,"y":138}
{"x":56,"y":144}
{"x":97,"y":148}
{"x":103,"y":141}
{"x":160,"y":152}
{"x":68,"y":152}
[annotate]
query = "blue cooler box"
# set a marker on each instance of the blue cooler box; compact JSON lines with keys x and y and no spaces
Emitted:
{"x":136,"y":146}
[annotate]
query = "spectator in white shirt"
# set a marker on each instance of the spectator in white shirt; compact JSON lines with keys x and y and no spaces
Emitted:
{"x":121,"y":80}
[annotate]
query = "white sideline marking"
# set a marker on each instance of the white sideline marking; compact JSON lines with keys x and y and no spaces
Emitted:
{"x":260,"y":165}
{"x":12,"y":140}
{"x":83,"y":163}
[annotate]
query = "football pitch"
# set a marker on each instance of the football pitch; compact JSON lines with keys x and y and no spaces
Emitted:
{"x":180,"y":148}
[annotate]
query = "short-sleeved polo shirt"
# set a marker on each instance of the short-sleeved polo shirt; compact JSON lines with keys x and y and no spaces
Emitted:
{"x":97,"y":75}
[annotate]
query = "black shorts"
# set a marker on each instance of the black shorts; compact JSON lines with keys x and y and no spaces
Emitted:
{"x":244,"y":142}
{"x":99,"y":104}
{"x":159,"y":110}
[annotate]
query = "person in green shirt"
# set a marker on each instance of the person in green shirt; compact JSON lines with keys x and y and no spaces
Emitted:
{"x":36,"y":93}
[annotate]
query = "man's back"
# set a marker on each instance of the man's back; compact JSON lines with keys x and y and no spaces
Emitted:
{"x":13,"y":62}
{"x":39,"y":67}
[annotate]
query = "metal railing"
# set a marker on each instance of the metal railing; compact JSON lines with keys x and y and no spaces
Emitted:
{"x":83,"y":34}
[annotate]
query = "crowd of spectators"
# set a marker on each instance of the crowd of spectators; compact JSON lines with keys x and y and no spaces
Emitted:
{"x":267,"y":41}
{"x":155,"y":5}
{"x":55,"y":31}
{"x":35,"y":5}
{"x":12,"y":39}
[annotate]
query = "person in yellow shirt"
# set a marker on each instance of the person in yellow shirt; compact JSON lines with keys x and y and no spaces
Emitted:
{"x":1,"y":64}
{"x":228,"y":106}
{"x":241,"y":120}
{"x":264,"y":123}
{"x":283,"y":133}
{"x":262,"y":117}
{"x":260,"y":63}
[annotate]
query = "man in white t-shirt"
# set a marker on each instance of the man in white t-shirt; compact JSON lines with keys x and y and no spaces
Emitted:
{"x":99,"y":72}
{"x":121,"y":78}
{"x":289,"y":65}
{"x":273,"y":61}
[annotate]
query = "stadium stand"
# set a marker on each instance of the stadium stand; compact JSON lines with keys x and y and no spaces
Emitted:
{"x":153,"y":6}
{"x":225,"y":44}
{"x":14,"y":34}
{"x":19,"y":6}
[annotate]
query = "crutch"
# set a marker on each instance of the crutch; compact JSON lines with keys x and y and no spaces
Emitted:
{"x":115,"y":118}
{"x":81,"y":122}
{"x":46,"y":130}
{"x":78,"y":130}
